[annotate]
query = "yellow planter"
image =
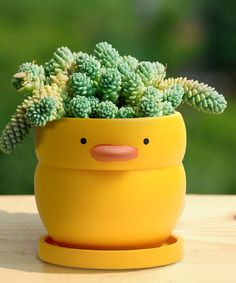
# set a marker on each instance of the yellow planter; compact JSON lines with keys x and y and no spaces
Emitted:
{"x":110,"y":191}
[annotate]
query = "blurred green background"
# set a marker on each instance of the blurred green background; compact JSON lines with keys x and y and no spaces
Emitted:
{"x":196,"y":39}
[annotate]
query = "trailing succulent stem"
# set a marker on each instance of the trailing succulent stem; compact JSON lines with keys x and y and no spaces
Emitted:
{"x":199,"y":95}
{"x":15,"y":131}
{"x":104,"y":85}
{"x":43,"y":106}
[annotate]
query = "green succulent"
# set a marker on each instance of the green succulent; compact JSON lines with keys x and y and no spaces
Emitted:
{"x":72,"y":85}
{"x":63,"y":61}
{"x":167,"y":108}
{"x":107,"y":55}
{"x":66,"y":106}
{"x":132,"y":88}
{"x":153,"y":91}
{"x":15,"y":131}
{"x":106,"y":109}
{"x":81,"y":84}
{"x":79,"y":107}
{"x":124,"y":69}
{"x":60,"y":79}
{"x":199,"y":95}
{"x":20,"y":124}
{"x":150,"y":73}
{"x":126,"y":112}
{"x":174,"y":94}
{"x":132,"y":61}
{"x":110,"y":85}
{"x":149,"y":106}
{"x":160,"y":71}
{"x":29,"y":77}
{"x":94,"y":101}
{"x":43,"y":106}
{"x":48,"y":108}
{"x":89,"y":65}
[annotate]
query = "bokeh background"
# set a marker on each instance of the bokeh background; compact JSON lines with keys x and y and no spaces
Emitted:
{"x":196,"y":38}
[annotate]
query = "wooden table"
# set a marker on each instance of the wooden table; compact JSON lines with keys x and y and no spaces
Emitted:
{"x":208,"y":226}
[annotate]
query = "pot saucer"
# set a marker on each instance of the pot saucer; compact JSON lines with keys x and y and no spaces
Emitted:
{"x":169,"y":252}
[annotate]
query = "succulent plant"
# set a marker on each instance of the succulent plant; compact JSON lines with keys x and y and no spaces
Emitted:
{"x":47,"y":109}
{"x":174,"y":94}
{"x":45,"y":105}
{"x":59,"y":79}
{"x":29,"y":77}
{"x":199,"y":95}
{"x":153,"y":91}
{"x":81,"y":84}
{"x":102,"y":85}
{"x":132,"y":88}
{"x":63,"y":60}
{"x":89,"y":65}
{"x":160,"y":70}
{"x":132,"y":61}
{"x":79,"y":107}
{"x":90,"y":109}
{"x":110,"y":85}
{"x":150,"y":73}
{"x":124,"y":69}
{"x":21,"y":122}
{"x":106,"y":109}
{"x":94,"y":101}
{"x":149,"y":106}
{"x":15,"y":131}
{"x":107,"y":55}
{"x":167,"y":108}
{"x":126,"y":112}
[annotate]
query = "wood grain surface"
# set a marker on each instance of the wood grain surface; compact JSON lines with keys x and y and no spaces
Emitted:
{"x":208,"y":226}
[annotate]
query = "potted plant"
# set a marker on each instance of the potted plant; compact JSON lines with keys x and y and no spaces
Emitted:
{"x":109,"y":184}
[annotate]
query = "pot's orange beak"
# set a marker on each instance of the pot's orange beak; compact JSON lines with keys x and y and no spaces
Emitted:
{"x":112,"y":153}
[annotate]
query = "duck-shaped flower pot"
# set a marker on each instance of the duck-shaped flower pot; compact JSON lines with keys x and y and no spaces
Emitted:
{"x":110,"y":183}
{"x":110,"y":191}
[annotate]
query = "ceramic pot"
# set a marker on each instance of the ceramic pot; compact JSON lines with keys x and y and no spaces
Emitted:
{"x":111,"y":184}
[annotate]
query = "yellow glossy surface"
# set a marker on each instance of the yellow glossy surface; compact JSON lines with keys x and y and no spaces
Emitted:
{"x":169,"y":252}
{"x":58,"y":144}
{"x":133,"y":204}
{"x":110,"y":209}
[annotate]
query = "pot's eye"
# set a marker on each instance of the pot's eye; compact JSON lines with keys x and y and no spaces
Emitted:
{"x":146,"y":141}
{"x":83,"y":140}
